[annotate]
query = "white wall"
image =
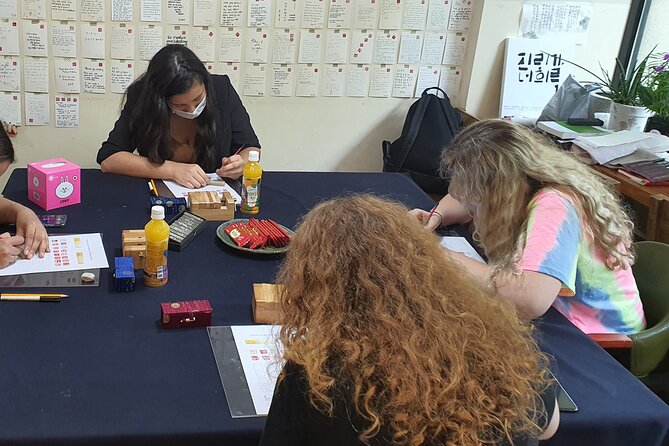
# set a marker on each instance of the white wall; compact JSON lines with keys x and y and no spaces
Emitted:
{"x":501,"y":18}
{"x":656,"y":31}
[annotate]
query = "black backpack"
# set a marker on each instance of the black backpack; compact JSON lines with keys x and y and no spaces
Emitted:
{"x":430,"y":125}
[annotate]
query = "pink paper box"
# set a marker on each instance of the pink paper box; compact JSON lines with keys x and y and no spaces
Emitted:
{"x":54,"y":183}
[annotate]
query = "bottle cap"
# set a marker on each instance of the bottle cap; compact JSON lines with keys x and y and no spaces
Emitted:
{"x":157,"y":213}
{"x":254,"y":156}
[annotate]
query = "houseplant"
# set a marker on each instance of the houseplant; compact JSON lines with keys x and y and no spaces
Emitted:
{"x":654,"y":92}
{"x":627,"y":112}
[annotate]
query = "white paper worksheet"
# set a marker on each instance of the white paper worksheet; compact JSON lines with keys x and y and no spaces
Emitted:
{"x":261,"y":361}
{"x":94,"y":76}
{"x":63,"y":10}
{"x":257,"y":46}
{"x":336,"y":46}
{"x":285,"y":14}
{"x":285,"y":46}
{"x":93,"y":41}
{"x":122,"y":42}
{"x":9,"y":38}
{"x":92,"y":10}
{"x":64,"y":40}
{"x":36,"y":74}
{"x":204,"y":12}
{"x":461,"y":245}
{"x":308,"y":77}
{"x":391,"y":14}
{"x":311,"y":44}
{"x":180,"y":191}
{"x":10,"y":69}
{"x":67,"y":76}
{"x":68,"y":253}
{"x":35,"y":39}
{"x":67,"y":111}
{"x":10,"y":108}
{"x":150,"y":41}
{"x":37,"y":109}
{"x":313,"y":14}
{"x":339,"y":15}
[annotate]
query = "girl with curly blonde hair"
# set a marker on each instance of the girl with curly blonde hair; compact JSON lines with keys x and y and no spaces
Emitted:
{"x":388,"y":342}
{"x":553,"y":231}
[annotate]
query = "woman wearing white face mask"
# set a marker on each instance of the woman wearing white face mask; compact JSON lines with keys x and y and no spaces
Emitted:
{"x":182,"y":122}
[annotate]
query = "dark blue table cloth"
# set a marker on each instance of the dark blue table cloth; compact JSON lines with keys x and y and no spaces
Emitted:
{"x":98,"y":369}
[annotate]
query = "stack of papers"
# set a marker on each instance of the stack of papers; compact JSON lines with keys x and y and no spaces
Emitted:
{"x":607,"y":148}
{"x":566,"y":131}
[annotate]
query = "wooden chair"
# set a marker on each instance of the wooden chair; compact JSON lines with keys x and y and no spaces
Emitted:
{"x":657,"y":227}
{"x":648,"y":348}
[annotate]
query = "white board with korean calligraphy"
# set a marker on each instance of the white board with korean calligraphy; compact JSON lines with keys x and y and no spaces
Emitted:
{"x":533,"y":71}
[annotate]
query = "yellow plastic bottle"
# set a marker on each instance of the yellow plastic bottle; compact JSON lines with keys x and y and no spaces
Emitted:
{"x":251,"y":184}
{"x":157,"y":238}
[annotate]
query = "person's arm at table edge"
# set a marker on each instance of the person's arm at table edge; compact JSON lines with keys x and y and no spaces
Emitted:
{"x":531,"y":292}
{"x":125,"y":163}
{"x":448,"y":211}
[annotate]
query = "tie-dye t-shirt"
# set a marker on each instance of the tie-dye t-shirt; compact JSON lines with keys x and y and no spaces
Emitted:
{"x":594,"y":298}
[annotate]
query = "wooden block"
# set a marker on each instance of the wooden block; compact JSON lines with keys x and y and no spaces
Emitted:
{"x":133,"y":242}
{"x":204,"y":200}
{"x":266,"y":307}
{"x":209,"y":206}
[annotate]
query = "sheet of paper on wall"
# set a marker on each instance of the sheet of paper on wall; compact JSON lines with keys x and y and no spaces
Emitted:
{"x":232,"y":13}
{"x":339,"y":14}
{"x":313,"y":14}
{"x":150,"y":11}
{"x":357,"y":81}
{"x":177,"y":35}
{"x":203,"y":43}
{"x":64,"y":40}
{"x":10,"y":107}
{"x":433,"y":48}
{"x":410,"y":47}
{"x":461,"y":15}
{"x":284,"y":48}
{"x":390,"y":16}
{"x":310,"y":46}
{"x":307,"y":81}
{"x":365,"y":14}
{"x":385,"y":49}
{"x":533,"y":70}
{"x":282,"y":81}
{"x":427,"y":77}
{"x":205,"y":13}
{"x":92,"y":11}
{"x":177,"y":12}
{"x":255,"y":80}
{"x":334,"y":80}
{"x":456,"y":46}
{"x":404,"y":81}
{"x":230,"y":49}
{"x":261,"y":361}
{"x":9,"y":38}
{"x":122,"y":75}
{"x":450,"y":80}
{"x":285,"y":14}
{"x":258,"y":13}
{"x":557,"y":20}
{"x":437,"y":14}
{"x":33,"y":9}
{"x":233,"y":71}
{"x":257,"y":46}
{"x":67,"y":77}
{"x":94,"y":76}
{"x":36,"y":74}
{"x":461,"y":245}
{"x":68,"y":253}
{"x":150,"y":41}
{"x":180,"y":191}
{"x":10,"y":73}
{"x":35,"y":41}
{"x":362,"y":46}
{"x":415,"y":13}
{"x":93,"y":41}
{"x":381,"y":82}
{"x":9,"y":9}
{"x":122,"y":41}
{"x":67,"y":111}
{"x":121,"y":10}
{"x":37,"y":108}
{"x":64,"y":10}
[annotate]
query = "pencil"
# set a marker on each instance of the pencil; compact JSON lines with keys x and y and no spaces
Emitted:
{"x":239,"y":150}
{"x":429,"y":216}
{"x":32,"y":297}
{"x":155,"y":190}
{"x":35,"y":294}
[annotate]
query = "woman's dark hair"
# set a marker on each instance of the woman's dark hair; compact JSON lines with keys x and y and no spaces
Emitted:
{"x":6,"y":146}
{"x":173,"y":70}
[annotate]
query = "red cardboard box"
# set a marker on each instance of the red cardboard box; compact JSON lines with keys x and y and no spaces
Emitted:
{"x":192,"y":313}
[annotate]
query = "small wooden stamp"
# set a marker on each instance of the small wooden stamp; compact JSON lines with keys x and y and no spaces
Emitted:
{"x":266,"y":306}
{"x":209,"y":205}
{"x":133,"y":242}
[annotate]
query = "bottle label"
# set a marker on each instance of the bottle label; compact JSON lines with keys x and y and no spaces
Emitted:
{"x":250,"y":194}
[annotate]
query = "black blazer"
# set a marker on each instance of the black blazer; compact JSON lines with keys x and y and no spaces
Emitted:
{"x":233,"y":125}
